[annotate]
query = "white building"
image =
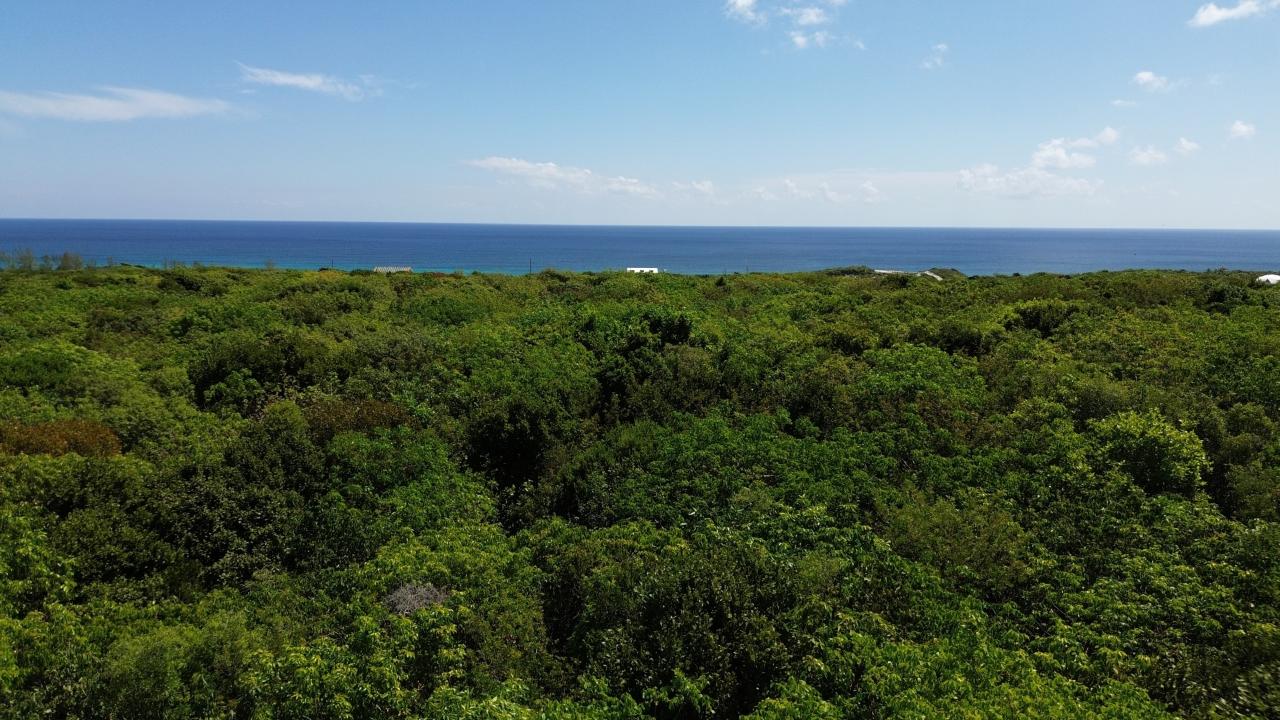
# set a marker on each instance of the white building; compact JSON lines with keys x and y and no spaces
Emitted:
{"x":1269,"y":280}
{"x":645,"y":271}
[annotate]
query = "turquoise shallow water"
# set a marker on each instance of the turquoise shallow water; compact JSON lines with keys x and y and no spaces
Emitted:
{"x":703,"y":250}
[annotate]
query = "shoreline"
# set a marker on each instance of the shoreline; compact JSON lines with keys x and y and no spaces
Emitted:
{"x":935,"y":273}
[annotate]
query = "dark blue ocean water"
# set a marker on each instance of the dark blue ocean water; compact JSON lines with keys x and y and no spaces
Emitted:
{"x":517,"y":248}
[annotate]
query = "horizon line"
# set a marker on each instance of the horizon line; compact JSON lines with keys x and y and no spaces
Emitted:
{"x":649,"y":225}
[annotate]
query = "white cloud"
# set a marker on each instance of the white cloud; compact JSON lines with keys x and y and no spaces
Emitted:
{"x":802,"y":41}
{"x":629,"y":186}
{"x":1108,"y":136}
{"x":551,"y":176}
{"x":1187,"y":147}
{"x":705,"y":188}
{"x":1212,"y":14}
{"x":794,"y":190}
{"x":114,"y":104}
{"x":803,"y":17}
{"x":744,"y":10}
{"x":1151,"y":82}
{"x":838,"y":187}
{"x":831,"y":195}
{"x":1124,"y":103}
{"x":938,"y":58}
{"x":1055,"y":154}
{"x":1241,"y":130}
{"x":311,"y":82}
{"x":870,"y":193}
{"x":550,"y":172}
{"x":806,"y":16}
{"x":810,"y":189}
{"x":1038,"y":180}
{"x":1148,"y":156}
{"x":1025,"y":182}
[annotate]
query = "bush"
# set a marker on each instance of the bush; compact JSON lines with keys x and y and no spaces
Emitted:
{"x":328,"y":417}
{"x":60,"y":437}
{"x":1156,"y":454}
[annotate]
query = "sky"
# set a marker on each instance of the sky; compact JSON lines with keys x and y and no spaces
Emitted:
{"x":987,"y":113}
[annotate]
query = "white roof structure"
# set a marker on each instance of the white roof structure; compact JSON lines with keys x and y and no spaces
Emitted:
{"x":646,"y":271}
{"x":1269,"y":280}
{"x":390,"y":270}
{"x":922,"y":273}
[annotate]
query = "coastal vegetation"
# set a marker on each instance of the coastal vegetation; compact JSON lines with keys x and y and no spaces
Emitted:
{"x":277,"y":494}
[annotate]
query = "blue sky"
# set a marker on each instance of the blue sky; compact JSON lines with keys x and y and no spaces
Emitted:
{"x":1152,"y":113}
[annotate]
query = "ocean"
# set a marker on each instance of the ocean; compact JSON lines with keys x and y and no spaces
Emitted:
{"x":694,"y":250}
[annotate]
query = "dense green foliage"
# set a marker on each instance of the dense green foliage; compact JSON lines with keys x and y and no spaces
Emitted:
{"x":278,"y":495}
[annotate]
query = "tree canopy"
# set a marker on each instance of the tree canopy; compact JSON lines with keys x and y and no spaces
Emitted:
{"x":273,"y":494}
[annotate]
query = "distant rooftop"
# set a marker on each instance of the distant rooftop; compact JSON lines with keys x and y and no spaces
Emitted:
{"x":391,"y":269}
{"x":922,"y":273}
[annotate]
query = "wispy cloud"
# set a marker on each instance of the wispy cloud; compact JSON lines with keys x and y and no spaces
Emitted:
{"x":1107,"y":136}
{"x":311,"y":82}
{"x":937,"y":58}
{"x":747,"y":11}
{"x":806,"y":16}
{"x":1038,"y":179}
{"x":1187,"y":147}
{"x":1025,"y":182}
{"x":871,"y":194}
{"x":1212,"y":14}
{"x":1124,"y":104}
{"x":111,"y":104}
{"x":1151,"y":82}
{"x":839,"y":187}
{"x":700,"y":188}
{"x":803,"y":41}
{"x":1241,"y":130}
{"x":839,"y":191}
{"x":803,"y":17}
{"x":1057,"y":154}
{"x":1060,"y":152}
{"x":551,"y":176}
{"x":1147,"y":156}
{"x":831,"y":195}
